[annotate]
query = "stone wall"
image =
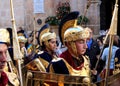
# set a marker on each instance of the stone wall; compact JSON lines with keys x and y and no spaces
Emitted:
{"x":31,"y":18}
{"x":24,"y":16}
{"x":5,"y":13}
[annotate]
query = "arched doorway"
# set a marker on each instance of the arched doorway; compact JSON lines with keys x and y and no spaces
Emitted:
{"x":106,"y":10}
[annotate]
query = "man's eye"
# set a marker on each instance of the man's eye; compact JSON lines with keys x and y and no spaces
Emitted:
{"x":81,"y":42}
{"x":52,"y":42}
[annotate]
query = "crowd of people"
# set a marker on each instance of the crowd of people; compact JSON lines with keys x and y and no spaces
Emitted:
{"x":42,"y":52}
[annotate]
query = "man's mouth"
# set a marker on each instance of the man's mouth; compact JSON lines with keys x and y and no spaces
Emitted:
{"x":2,"y":63}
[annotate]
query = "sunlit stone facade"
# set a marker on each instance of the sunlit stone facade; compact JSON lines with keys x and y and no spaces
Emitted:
{"x":25,"y":16}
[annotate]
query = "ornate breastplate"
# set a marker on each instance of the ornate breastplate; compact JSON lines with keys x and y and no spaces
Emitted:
{"x":84,"y":71}
{"x":117,"y":65}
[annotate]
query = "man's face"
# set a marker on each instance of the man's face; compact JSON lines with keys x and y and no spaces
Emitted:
{"x":91,"y":33}
{"x":22,"y":44}
{"x":3,"y":57}
{"x":81,"y":46}
{"x":52,"y":44}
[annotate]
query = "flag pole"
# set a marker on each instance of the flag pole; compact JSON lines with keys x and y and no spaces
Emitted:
{"x":112,"y":32}
{"x":16,"y":48}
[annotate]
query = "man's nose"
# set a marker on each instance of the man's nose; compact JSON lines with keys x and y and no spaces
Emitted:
{"x":86,"y":45}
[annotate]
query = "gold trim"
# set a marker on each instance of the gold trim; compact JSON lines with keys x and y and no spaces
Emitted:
{"x":68,"y":24}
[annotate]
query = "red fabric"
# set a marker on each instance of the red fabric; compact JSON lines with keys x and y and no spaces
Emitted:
{"x":103,"y":73}
{"x":68,"y":57}
{"x":3,"y":79}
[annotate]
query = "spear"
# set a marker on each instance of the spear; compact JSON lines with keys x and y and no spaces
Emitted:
{"x":112,"y":32}
{"x":16,"y":48}
{"x":86,"y":9}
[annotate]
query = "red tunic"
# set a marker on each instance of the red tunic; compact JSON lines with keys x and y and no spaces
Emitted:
{"x":3,"y":79}
{"x":69,"y":58}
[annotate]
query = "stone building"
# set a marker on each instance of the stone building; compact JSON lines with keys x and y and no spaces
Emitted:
{"x":26,"y":18}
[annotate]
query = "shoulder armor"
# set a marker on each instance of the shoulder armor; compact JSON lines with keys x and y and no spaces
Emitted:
{"x":40,"y":52}
{"x":13,"y":78}
{"x":55,"y":60}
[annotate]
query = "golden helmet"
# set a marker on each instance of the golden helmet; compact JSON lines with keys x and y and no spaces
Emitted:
{"x":69,"y":30}
{"x":22,"y":39}
{"x":45,"y":34}
{"x":75,"y":33}
{"x":4,"y":36}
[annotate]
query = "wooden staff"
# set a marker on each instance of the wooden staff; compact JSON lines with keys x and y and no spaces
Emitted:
{"x":86,"y":9}
{"x":34,"y":34}
{"x":16,"y":48}
{"x":112,"y":32}
{"x":104,"y":44}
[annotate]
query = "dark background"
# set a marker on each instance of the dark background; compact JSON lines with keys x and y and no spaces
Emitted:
{"x":106,"y":10}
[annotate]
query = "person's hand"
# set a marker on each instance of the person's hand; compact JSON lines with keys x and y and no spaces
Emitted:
{"x":94,"y":72}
